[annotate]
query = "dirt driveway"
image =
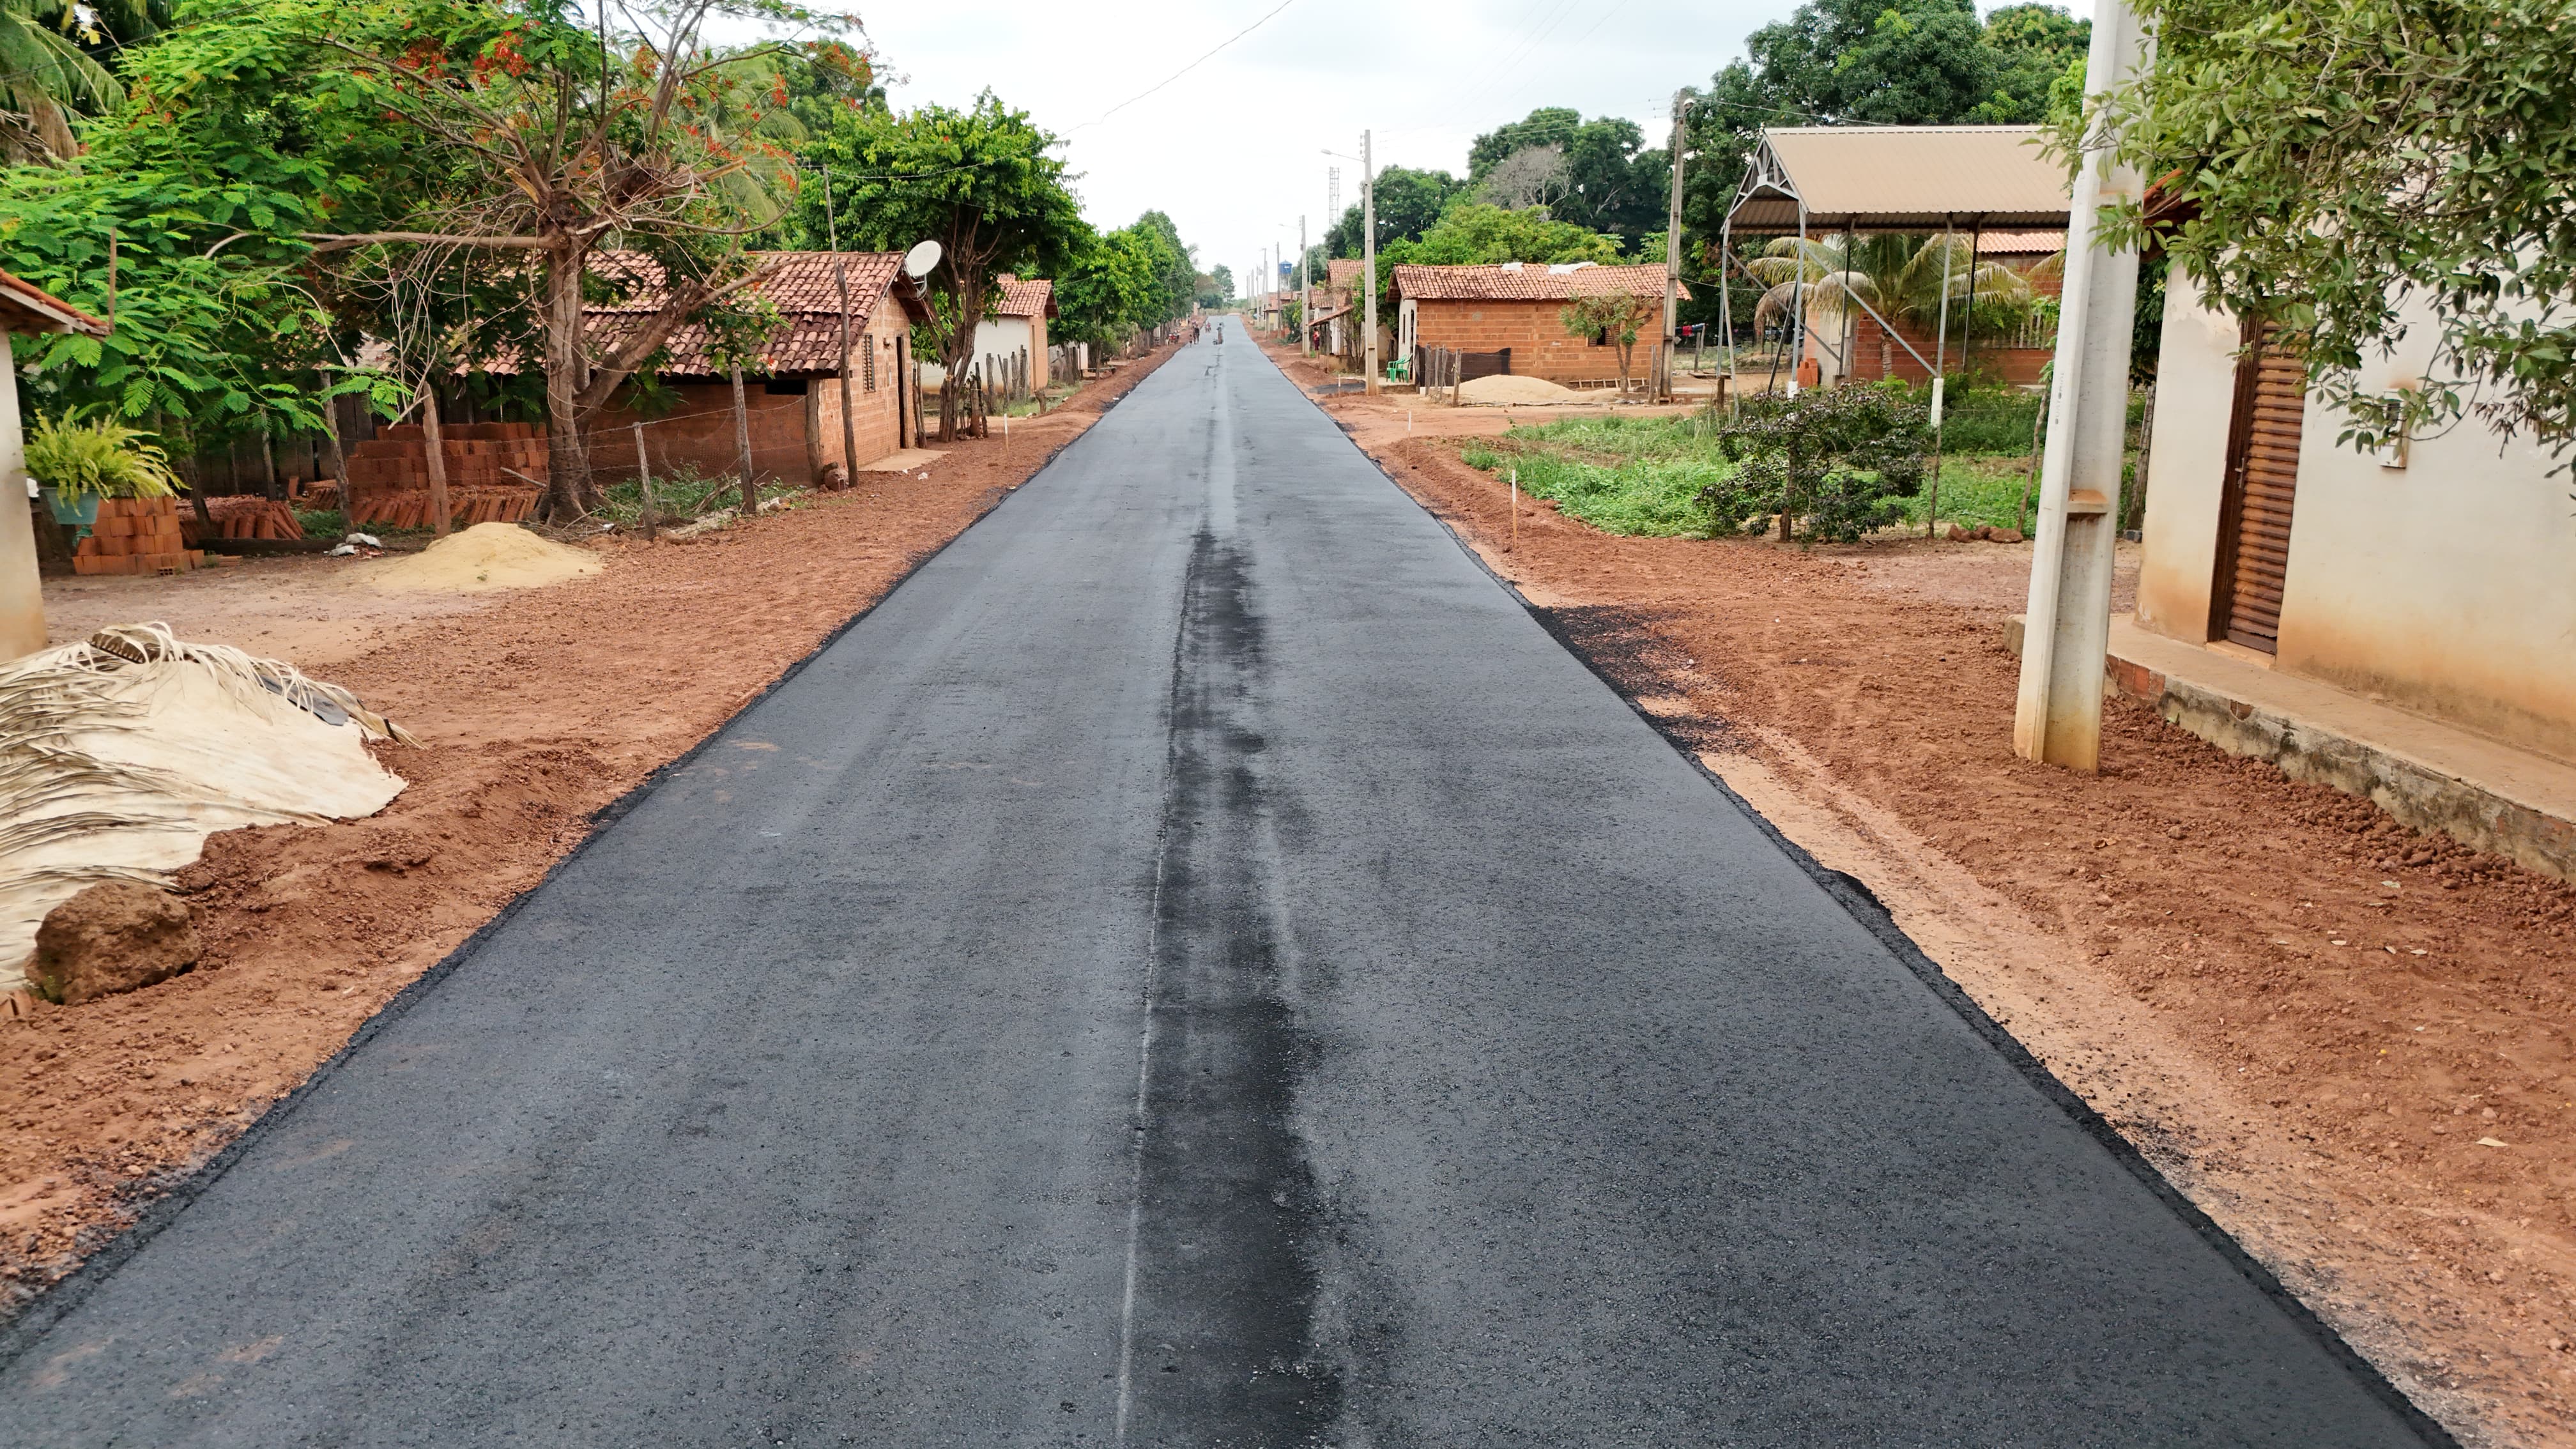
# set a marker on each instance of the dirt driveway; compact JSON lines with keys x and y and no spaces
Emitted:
{"x":536,"y":707}
{"x":2349,"y":1044}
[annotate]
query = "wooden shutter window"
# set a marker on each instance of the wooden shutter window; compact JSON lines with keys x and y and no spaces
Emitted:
{"x":2262,"y":482}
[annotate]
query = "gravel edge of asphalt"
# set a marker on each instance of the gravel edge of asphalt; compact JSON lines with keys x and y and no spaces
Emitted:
{"x":1856,"y":899}
{"x":22,"y":1332}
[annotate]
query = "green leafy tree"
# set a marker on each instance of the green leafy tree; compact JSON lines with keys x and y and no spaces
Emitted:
{"x":982,"y":182}
{"x":1102,"y":295}
{"x":2355,"y":170}
{"x":1607,"y":179}
{"x":1409,"y":203}
{"x":1869,"y":62}
{"x":48,"y":75}
{"x":1472,"y":233}
{"x":1612,"y":317}
{"x":1216,"y":288}
{"x":1830,"y":463}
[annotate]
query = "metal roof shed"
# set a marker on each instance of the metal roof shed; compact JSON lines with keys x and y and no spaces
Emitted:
{"x":1891,"y":178}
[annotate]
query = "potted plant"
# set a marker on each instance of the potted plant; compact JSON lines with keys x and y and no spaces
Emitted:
{"x":77,"y":464}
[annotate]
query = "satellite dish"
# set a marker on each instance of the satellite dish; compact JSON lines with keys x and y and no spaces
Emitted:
{"x":918,"y":262}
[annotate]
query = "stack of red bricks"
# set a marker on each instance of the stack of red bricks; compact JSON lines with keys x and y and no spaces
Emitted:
{"x":495,"y":472}
{"x":136,"y":536}
{"x":248,"y":515}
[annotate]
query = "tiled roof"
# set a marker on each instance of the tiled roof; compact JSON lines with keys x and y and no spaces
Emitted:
{"x":803,"y":286}
{"x":1527,"y":282}
{"x":2019,"y":243}
{"x":27,"y":302}
{"x":1031,"y":298}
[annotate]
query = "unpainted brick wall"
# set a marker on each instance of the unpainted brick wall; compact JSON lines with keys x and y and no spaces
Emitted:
{"x":1541,"y":347}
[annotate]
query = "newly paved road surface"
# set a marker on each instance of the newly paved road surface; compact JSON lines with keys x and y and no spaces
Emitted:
{"x":1197,"y":966}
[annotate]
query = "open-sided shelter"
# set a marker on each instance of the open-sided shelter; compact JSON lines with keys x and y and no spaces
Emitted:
{"x":1808,"y":181}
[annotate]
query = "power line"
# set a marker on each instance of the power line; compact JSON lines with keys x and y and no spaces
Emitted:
{"x":1185,"y":70}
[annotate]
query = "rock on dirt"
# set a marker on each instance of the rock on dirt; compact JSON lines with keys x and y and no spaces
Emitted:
{"x":114,"y":937}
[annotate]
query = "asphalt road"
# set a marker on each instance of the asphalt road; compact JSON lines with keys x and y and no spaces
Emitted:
{"x":1198,"y":965}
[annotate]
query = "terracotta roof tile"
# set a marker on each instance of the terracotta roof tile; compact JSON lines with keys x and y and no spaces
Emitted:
{"x":25,"y":298}
{"x":805,"y":288}
{"x":1527,"y":282}
{"x":1034,"y":297}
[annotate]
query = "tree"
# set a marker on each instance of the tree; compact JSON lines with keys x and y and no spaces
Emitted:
{"x":2033,"y":46}
{"x":981,"y":182}
{"x":1604,"y":178}
{"x":204,"y":177}
{"x":1128,"y":280}
{"x":534,"y":139}
{"x":2359,"y":169}
{"x":1838,"y":458}
{"x":1903,"y":277}
{"x":46,"y":75}
{"x":1409,"y":202}
{"x":1216,"y":288}
{"x":1612,"y":317}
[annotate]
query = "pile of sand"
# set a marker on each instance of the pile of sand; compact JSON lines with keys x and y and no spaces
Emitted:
{"x":488,"y":556}
{"x":1506,"y":388}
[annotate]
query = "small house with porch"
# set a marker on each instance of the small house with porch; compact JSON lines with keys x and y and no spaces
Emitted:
{"x":1013,"y":333}
{"x":792,"y":392}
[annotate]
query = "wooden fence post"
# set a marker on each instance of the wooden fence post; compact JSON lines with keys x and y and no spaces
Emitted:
{"x":644,"y":483}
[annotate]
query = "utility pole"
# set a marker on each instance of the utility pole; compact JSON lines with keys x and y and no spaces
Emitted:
{"x":1333,"y":195}
{"x":1673,"y":247}
{"x":2057,"y":718}
{"x":1368,"y":254}
{"x":1305,"y":295}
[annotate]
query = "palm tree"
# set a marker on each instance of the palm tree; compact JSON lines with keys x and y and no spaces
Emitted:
{"x":46,"y":74}
{"x":1899,"y":276}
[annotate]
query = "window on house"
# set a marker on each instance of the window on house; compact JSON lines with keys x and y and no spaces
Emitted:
{"x":868,"y":370}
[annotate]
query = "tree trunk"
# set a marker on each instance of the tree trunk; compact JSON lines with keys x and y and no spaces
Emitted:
{"x":339,"y":462}
{"x":742,"y":440}
{"x":435,"y":450}
{"x":567,"y":467}
{"x":1788,"y":492}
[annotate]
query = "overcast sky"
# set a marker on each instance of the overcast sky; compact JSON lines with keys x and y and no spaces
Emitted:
{"x":1233,"y":149}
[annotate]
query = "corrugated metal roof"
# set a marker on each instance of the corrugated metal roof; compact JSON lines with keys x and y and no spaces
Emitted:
{"x":1906,"y":176}
{"x":1527,"y":282}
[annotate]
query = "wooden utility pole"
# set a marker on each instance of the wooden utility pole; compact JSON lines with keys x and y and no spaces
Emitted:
{"x":644,"y":485}
{"x":2057,"y":716}
{"x":1368,"y":255}
{"x":1673,"y":247}
{"x":434,"y":452}
{"x":742,"y":439}
{"x":1305,"y":294}
{"x":841,"y":271}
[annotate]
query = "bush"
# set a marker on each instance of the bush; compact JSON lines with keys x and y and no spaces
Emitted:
{"x":104,"y":458}
{"x":1840,"y":459}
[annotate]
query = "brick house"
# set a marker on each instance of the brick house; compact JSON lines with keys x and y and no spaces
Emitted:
{"x":793,"y":394}
{"x":1518,"y":305}
{"x":1016,"y":325}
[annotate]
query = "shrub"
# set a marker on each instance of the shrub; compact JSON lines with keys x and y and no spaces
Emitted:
{"x":101,"y":457}
{"x":1839,"y":459}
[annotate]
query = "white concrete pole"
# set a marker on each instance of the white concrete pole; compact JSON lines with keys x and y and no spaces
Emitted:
{"x":2057,"y":718}
{"x":1673,"y":247}
{"x":1305,"y":294}
{"x":22,"y":592}
{"x":1368,"y":255}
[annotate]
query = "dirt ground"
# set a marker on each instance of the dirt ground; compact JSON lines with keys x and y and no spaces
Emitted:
{"x":536,"y":707}
{"x":2349,"y":1044}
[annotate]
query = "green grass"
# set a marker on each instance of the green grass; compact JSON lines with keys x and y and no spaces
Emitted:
{"x":1974,"y":490}
{"x":1642,"y":476}
{"x":320,"y":522}
{"x":1635,"y":476}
